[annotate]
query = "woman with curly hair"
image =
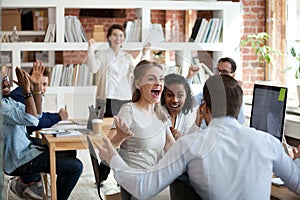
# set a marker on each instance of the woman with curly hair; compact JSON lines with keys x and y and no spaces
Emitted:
{"x":179,"y":103}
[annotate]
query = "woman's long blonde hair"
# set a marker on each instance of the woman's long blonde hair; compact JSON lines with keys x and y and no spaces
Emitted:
{"x":139,"y":71}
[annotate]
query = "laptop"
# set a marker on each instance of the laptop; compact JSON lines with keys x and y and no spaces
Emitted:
{"x":268,"y":109}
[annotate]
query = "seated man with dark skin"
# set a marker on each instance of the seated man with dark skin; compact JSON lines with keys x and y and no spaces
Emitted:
{"x":22,"y":157}
{"x":224,"y":161}
{"x":48,"y":119}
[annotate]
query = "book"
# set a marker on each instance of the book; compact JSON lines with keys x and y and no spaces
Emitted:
{"x":68,"y":133}
{"x":137,"y":32}
{"x":58,"y":73}
{"x":202,"y":30}
{"x":68,"y":29}
{"x":129,"y":31}
{"x":213,"y":30}
{"x":47,"y":35}
{"x":207,"y":31}
{"x":219,"y":30}
{"x":155,"y":35}
{"x":52,"y":33}
{"x":211,"y":27}
{"x":195,"y":30}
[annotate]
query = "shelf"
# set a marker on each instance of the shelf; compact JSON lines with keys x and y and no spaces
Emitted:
{"x":228,"y":11}
{"x":25,"y":33}
{"x":80,"y":46}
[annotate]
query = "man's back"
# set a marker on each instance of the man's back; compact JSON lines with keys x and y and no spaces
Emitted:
{"x":234,"y":161}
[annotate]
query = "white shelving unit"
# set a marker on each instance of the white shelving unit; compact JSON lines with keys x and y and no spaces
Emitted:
{"x":228,"y":11}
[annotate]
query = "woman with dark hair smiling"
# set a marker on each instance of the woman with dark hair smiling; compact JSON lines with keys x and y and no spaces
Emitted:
{"x":178,"y":102}
{"x":114,"y":68}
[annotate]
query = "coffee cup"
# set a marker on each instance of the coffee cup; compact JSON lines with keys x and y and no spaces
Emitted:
{"x":97,"y":126}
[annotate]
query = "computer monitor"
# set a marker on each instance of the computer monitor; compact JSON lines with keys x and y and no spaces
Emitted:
{"x":268,"y":109}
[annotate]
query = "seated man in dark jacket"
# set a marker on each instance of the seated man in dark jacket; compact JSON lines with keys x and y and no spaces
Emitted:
{"x":48,"y":119}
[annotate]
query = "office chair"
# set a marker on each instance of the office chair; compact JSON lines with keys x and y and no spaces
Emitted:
{"x":96,"y":166}
{"x":181,"y":190}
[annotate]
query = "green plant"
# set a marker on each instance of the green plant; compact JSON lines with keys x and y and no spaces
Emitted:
{"x":259,"y":43}
{"x":297,"y":57}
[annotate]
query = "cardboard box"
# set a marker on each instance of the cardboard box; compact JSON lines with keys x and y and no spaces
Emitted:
{"x":40,"y":20}
{"x":98,"y":28}
{"x":40,"y":23}
{"x":11,"y":18}
{"x":99,"y":36}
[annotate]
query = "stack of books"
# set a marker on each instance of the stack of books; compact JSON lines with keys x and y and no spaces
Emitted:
{"x":133,"y":31}
{"x":71,"y":75}
{"x":73,"y":30}
{"x":207,"y":31}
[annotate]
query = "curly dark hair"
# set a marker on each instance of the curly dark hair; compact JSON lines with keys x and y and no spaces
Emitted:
{"x":171,"y":79}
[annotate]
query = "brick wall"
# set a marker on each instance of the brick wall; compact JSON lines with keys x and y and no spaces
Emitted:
{"x":253,"y":21}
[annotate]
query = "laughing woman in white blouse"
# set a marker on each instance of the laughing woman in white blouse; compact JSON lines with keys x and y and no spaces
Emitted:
{"x":114,"y":69}
{"x":146,"y":120}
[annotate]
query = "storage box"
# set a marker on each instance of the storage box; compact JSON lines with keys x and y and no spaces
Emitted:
{"x":99,"y":36}
{"x":40,"y":20}
{"x":10,"y":18}
{"x":98,"y":28}
{"x":40,"y":23}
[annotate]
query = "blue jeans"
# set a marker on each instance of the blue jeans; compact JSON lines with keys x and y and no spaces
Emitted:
{"x":68,"y":170}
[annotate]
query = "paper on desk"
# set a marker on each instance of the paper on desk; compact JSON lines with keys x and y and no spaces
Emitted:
{"x":277,"y":181}
{"x":52,"y":131}
{"x":66,"y":126}
{"x":68,"y":133}
{"x":65,"y":122}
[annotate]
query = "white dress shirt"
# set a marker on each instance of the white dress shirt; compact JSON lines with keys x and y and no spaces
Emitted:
{"x":114,"y":72}
{"x":224,"y":161}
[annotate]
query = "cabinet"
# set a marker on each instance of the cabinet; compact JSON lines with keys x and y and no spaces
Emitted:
{"x":228,"y":11}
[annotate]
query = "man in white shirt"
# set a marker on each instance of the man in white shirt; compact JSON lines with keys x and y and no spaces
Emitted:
{"x":225,"y":65}
{"x":224,"y":161}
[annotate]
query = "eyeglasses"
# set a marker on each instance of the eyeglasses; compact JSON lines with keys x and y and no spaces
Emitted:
{"x":5,"y":78}
{"x":202,"y":102}
{"x":221,"y":71}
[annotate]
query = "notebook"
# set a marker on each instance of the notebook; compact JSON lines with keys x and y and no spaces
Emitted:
{"x":268,"y":109}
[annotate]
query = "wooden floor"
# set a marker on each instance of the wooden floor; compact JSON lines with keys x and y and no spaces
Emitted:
{"x":86,"y":188}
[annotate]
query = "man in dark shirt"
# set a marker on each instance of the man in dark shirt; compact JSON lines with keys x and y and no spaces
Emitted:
{"x":48,"y":119}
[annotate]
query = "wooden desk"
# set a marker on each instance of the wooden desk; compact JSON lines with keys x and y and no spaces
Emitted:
{"x":69,"y":143}
{"x":281,"y":192}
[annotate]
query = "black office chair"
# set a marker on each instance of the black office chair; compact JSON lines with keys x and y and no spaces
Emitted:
{"x":180,"y":190}
{"x":96,"y":166}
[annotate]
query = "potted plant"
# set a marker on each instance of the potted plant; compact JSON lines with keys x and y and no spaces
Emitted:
{"x":265,"y":53}
{"x":296,"y":56}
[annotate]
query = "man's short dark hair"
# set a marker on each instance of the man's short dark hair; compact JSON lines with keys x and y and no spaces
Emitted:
{"x":231,"y":61}
{"x":223,"y":96}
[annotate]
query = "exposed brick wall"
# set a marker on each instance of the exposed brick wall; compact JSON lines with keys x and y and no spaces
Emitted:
{"x":253,"y":21}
